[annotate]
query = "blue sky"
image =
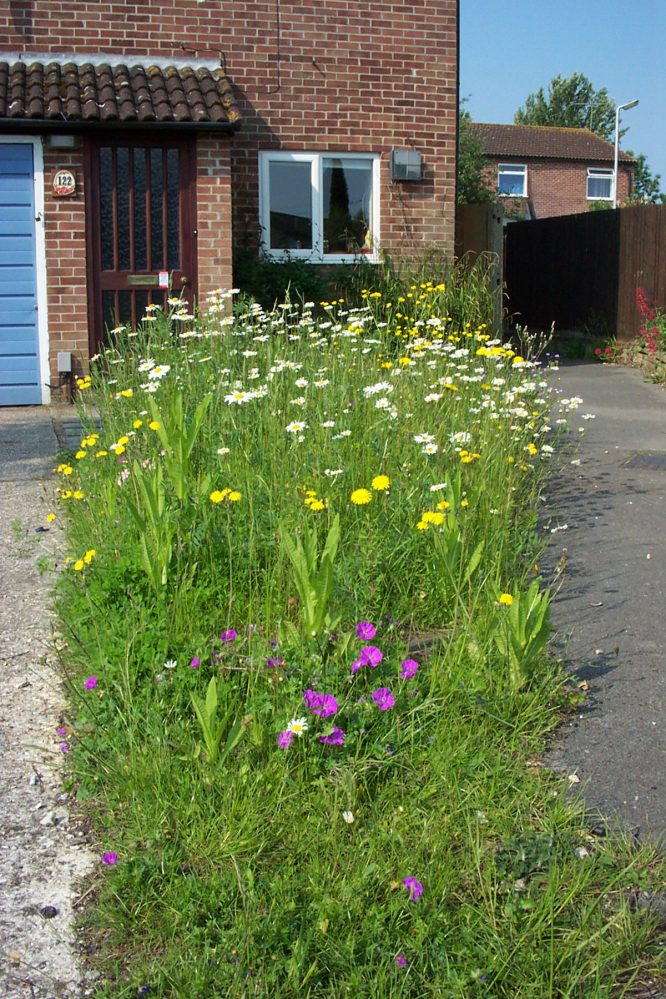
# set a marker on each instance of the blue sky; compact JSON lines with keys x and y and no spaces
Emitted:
{"x":508,"y":50}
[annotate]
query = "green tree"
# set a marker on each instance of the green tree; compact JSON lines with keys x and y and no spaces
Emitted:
{"x":646,"y":188}
{"x":474,"y":185}
{"x":571,"y":102}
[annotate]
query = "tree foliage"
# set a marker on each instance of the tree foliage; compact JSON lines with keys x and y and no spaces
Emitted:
{"x":474,"y":185}
{"x":571,"y":102}
{"x":646,"y":188}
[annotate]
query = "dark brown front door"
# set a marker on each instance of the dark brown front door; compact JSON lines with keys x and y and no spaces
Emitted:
{"x":141,"y":226}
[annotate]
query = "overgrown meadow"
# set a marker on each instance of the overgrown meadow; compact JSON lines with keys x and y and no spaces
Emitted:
{"x":306,"y":638}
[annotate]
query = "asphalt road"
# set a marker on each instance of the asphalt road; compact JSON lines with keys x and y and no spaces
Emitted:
{"x":610,"y":614}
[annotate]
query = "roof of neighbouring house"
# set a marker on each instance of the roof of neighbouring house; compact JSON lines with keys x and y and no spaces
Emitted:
{"x":545,"y":142}
{"x":79,"y":92}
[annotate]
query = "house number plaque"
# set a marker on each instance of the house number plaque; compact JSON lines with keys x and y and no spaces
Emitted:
{"x":64,"y":184}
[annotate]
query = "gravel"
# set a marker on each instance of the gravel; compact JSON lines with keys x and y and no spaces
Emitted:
{"x":43,"y":852}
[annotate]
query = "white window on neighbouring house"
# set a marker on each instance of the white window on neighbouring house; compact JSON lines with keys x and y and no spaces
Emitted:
{"x":599,"y":184}
{"x":512,"y":180}
{"x":322,"y":207}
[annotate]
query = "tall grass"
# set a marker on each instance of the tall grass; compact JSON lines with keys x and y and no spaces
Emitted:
{"x":303,"y":582}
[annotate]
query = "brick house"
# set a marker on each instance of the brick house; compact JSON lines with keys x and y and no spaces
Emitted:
{"x":542,"y":171}
{"x":141,"y":143}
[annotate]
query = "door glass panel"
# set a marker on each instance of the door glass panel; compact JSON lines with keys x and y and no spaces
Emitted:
{"x":125,"y":308}
{"x":141,"y":301}
{"x":347,"y":204}
{"x":290,"y":205}
{"x":173,"y":220}
{"x":156,"y":210}
{"x":108,"y":310}
{"x":106,"y":206}
{"x":122,"y":208}
{"x":140,"y":241}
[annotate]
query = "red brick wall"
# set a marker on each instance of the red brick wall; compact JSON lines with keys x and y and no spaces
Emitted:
{"x":213,"y":215}
{"x":65,"y":245}
{"x":559,"y":188}
{"x":338,"y":75}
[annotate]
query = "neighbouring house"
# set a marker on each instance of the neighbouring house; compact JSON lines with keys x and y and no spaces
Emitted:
{"x":542,"y":171}
{"x":140,"y":144}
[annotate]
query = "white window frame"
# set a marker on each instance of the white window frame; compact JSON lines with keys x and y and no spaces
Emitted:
{"x":316,"y":255}
{"x":515,"y":170}
{"x":600,"y":173}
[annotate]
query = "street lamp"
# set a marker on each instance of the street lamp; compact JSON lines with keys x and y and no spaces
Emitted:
{"x":620,"y":107}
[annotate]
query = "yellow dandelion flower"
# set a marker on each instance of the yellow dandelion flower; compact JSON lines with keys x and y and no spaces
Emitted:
{"x":532,"y":448}
{"x":506,"y":599}
{"x":154,"y":425}
{"x":50,"y":517}
{"x":89,"y":556}
{"x":234,"y":496}
{"x":432,"y":517}
{"x":78,"y":565}
{"x":124,"y":439}
{"x":381,"y":483}
{"x":464,"y":502}
{"x":361,"y":496}
{"x":218,"y":495}
{"x":79,"y":455}
{"x":126,"y":393}
{"x":137,"y":424}
{"x":422,"y":525}
{"x":101,"y":454}
{"x":66,"y":494}
{"x":443,"y":505}
{"x":316,"y":505}
{"x":78,"y":494}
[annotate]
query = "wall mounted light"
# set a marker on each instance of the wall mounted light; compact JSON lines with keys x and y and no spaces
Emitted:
{"x":406,"y":165}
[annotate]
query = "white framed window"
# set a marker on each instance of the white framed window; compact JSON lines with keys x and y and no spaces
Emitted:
{"x":322,"y":207}
{"x":512,"y":180}
{"x":599,"y":184}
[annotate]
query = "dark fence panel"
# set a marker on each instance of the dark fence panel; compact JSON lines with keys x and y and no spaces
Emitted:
{"x":642,"y":263}
{"x":578,"y":270}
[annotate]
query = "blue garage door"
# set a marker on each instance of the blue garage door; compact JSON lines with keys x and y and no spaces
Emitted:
{"x":19,"y":345}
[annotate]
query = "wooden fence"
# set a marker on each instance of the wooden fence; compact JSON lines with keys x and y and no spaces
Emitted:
{"x":583,"y":270}
{"x":479,"y":230}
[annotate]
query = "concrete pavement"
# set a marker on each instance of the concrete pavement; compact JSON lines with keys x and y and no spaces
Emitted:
{"x":610,"y":614}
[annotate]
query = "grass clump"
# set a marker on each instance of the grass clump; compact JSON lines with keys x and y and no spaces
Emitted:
{"x":306,"y":642}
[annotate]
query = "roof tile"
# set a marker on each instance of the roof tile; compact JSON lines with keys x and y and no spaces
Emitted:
{"x":98,"y":92}
{"x":545,"y":142}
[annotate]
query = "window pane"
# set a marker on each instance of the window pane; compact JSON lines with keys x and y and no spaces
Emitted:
{"x":140,"y":243}
{"x":156,"y":209}
{"x":122,"y":208}
{"x":106,"y":206}
{"x":347,"y":205}
{"x":599,"y":187}
{"x":173,"y":215}
{"x":290,"y":193}
{"x":511,"y":182}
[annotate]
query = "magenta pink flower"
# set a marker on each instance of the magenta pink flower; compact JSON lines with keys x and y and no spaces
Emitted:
{"x":365,"y":630}
{"x":229,"y":635}
{"x":91,"y":682}
{"x":401,"y":960}
{"x":110,"y":858}
{"x":195,"y":662}
{"x":370,"y":655}
{"x":320,"y":704}
{"x":408,"y":669}
{"x":64,"y":747}
{"x":61,"y":731}
{"x":414,"y":888}
{"x":335,"y":738}
{"x":383,"y":698}
{"x":285,"y":739}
